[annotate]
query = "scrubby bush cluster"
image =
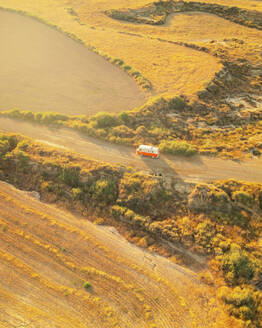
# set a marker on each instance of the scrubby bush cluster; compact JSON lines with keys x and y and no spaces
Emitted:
{"x":126,"y":127}
{"x":243,"y":303}
{"x":237,"y":266}
{"x":126,"y":215}
{"x":154,"y":14}
{"x":177,"y":148}
{"x":7,"y":144}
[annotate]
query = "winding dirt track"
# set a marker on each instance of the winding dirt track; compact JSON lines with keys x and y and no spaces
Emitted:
{"x":47,"y":254}
{"x":197,"y":169}
{"x":43,"y":70}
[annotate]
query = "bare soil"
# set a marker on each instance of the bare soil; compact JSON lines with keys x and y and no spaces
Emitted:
{"x":194,"y":169}
{"x":44,"y":70}
{"x":47,"y":254}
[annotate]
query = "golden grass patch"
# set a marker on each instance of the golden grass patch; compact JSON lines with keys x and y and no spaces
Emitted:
{"x":171,"y":69}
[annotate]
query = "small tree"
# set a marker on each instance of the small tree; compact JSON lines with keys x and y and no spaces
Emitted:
{"x":87,"y":285}
{"x":237,"y":266}
{"x":104,"y":190}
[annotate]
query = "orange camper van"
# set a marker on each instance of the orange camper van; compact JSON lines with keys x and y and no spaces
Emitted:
{"x":150,"y":151}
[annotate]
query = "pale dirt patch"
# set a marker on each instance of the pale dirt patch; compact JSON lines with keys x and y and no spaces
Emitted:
{"x":44,"y":70}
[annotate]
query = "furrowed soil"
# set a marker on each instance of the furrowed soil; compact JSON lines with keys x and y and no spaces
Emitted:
{"x":47,"y":255}
{"x":46,"y":71}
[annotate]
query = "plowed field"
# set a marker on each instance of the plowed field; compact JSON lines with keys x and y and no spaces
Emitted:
{"x":46,"y":256}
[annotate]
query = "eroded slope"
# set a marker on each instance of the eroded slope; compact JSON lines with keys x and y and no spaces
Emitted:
{"x":47,"y":255}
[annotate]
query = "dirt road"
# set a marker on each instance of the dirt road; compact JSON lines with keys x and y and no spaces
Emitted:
{"x":43,"y":70}
{"x":47,"y":254}
{"x":197,"y":169}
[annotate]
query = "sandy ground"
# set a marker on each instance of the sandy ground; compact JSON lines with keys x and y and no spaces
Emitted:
{"x":43,"y":70}
{"x":46,"y":255}
{"x":196,"y":169}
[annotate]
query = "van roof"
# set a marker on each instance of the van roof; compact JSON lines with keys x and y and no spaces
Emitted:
{"x":149,"y":148}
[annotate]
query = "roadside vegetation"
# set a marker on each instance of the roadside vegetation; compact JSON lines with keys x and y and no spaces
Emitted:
{"x":220,"y":221}
{"x":175,"y":125}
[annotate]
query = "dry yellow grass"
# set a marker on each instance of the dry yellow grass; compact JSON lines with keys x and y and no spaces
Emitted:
{"x":171,"y":69}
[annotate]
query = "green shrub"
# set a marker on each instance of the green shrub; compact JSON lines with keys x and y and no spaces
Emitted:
{"x":104,"y":190}
{"x":237,"y":266}
{"x":122,"y":131}
{"x":12,"y":141}
{"x":125,"y":214}
{"x":70,"y":176}
{"x":77,"y":193}
{"x":118,"y":211}
{"x":27,"y":115}
{"x":4,"y":147}
{"x":243,"y":302}
{"x":127,"y":68}
{"x":118,"y":61}
{"x":14,"y":113}
{"x":177,"y":148}
{"x":243,"y":197}
{"x":21,"y":157}
{"x":104,"y":120}
{"x":124,"y":117}
{"x":204,"y":234}
{"x":23,"y":145}
{"x":42,"y":118}
{"x":177,"y":103}
{"x":7,"y":143}
{"x":48,"y":186}
{"x":87,"y":285}
{"x":49,"y":118}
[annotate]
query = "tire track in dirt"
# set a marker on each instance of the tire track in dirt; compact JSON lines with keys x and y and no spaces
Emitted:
{"x":195,"y":169}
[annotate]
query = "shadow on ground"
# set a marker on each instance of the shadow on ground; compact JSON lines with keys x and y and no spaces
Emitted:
{"x":160,"y":167}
